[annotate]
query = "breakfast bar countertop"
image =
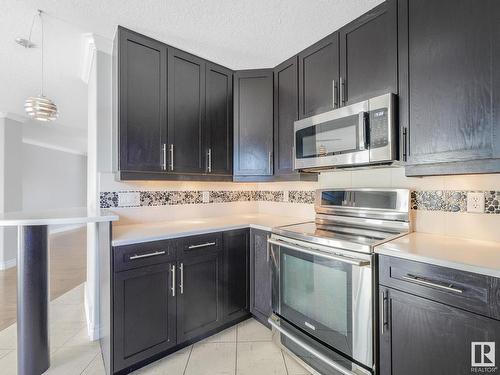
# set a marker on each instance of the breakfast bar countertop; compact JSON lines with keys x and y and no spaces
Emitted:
{"x":153,"y":231}
{"x":464,"y":254}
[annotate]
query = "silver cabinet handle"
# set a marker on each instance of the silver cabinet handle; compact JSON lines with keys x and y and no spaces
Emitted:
{"x":181,"y":285}
{"x":164,"y":164}
{"x":383,"y":306}
{"x":268,"y":249}
{"x":418,"y":280}
{"x":362,"y":130}
{"x":334,"y":94}
{"x":270,"y":162}
{"x":171,"y":149}
{"x":172,"y":288}
{"x":209,"y":157}
{"x":206,"y":244}
{"x":341,"y":90}
{"x":156,"y":253}
{"x":340,"y":258}
{"x":310,"y":349}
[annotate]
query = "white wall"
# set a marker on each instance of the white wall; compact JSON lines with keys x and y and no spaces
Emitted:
{"x":53,"y":179}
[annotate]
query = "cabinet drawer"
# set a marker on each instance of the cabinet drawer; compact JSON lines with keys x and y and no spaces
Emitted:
{"x":139,"y":255}
{"x":193,"y":245}
{"x":469,"y":291}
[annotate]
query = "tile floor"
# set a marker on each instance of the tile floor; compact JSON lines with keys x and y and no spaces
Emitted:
{"x":245,"y":349}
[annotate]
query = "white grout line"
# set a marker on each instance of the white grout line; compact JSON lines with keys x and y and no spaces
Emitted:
{"x":187,"y":362}
{"x":283,"y":356}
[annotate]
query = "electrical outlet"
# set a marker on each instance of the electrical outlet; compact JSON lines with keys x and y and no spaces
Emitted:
{"x":129,"y":199}
{"x":285,"y":196}
{"x":205,"y":197}
{"x":475,"y":202}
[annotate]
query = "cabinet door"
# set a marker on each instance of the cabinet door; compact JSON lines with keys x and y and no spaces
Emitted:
{"x":319,"y":77}
{"x":142,"y":91}
{"x":186,"y":112}
{"x":253,"y":123}
{"x":451,"y":84}
{"x":425,"y":337}
{"x":199,"y":294}
{"x":286,"y":111}
{"x":236,"y":282}
{"x":143,"y":314}
{"x":368,"y":54}
{"x":260,"y":276}
{"x":219,"y":123}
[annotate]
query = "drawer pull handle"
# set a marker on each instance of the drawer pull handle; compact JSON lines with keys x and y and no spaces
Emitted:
{"x":140,"y":256}
{"x":190,"y":247}
{"x":419,"y":280}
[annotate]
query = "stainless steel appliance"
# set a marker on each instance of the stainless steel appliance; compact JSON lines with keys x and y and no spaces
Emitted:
{"x":363,"y":133}
{"x":323,"y":289}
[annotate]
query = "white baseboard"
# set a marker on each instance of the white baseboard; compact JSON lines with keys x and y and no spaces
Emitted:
{"x":65,"y":228}
{"x":92,"y":328}
{"x":8,"y":264}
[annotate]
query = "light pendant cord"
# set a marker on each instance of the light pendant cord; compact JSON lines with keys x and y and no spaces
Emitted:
{"x":41,"y":23}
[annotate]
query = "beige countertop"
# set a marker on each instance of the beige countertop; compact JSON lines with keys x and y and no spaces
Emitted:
{"x":476,"y":256}
{"x":153,"y":231}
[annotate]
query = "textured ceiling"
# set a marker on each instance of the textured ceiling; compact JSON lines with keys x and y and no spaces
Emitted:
{"x":235,"y":33}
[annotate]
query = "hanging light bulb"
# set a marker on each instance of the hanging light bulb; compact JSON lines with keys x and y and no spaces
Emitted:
{"x":40,"y":107}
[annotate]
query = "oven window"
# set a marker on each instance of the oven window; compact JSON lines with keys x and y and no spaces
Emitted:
{"x":317,"y":291}
{"x":328,"y":138}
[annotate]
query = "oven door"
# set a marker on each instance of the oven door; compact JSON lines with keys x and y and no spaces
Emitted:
{"x":334,"y":138}
{"x":328,"y":295}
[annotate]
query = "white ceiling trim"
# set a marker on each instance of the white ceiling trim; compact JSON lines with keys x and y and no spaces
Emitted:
{"x":51,"y":146}
{"x":91,"y":44}
{"x":14,"y":116}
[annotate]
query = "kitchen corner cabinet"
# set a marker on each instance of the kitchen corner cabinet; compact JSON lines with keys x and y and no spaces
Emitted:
{"x":236,"y":274}
{"x":174,"y":113}
{"x":450,"y":83}
{"x":368,"y":54}
{"x":253,"y":123}
{"x":319,"y":67}
{"x":260,"y":276}
{"x":142,"y":91}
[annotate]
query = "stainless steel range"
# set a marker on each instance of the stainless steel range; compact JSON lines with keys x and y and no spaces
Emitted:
{"x":323,"y":284}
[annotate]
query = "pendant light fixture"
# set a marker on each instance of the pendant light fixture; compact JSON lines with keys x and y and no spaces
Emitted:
{"x":39,"y":107}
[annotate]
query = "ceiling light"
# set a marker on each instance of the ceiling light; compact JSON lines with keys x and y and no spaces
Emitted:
{"x":39,"y":107}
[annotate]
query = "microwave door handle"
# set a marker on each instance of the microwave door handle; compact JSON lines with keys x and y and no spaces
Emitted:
{"x":362,"y":130}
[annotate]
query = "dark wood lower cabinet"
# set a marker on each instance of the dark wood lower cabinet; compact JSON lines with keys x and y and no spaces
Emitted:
{"x":144,"y":314}
{"x":169,"y":294}
{"x":236,"y":268}
{"x":421,"y":336}
{"x":199,"y":299}
{"x":260,"y":276}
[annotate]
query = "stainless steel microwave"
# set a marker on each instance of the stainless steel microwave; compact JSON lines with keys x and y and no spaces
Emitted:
{"x":359,"y":134}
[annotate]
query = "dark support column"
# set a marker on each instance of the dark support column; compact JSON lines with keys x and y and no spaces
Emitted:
{"x":32,"y":301}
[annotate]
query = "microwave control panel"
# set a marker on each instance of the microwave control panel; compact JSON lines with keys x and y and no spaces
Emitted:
{"x":379,"y":136}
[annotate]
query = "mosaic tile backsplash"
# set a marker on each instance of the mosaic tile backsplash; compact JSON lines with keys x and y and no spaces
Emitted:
{"x":429,"y":200}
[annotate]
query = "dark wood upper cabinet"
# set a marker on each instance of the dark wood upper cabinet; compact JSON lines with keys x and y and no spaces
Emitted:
{"x":253,"y":123}
{"x":219,"y":120}
{"x":421,"y":336}
{"x":236,"y":272}
{"x":319,"y":77}
{"x":144,"y":314}
{"x":142,"y":100}
{"x":449,"y":54}
{"x":368,"y":54}
{"x":186,"y":112}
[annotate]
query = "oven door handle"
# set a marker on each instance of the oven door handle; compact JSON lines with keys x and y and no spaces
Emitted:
{"x":310,"y":349}
{"x":340,"y":258}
